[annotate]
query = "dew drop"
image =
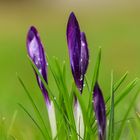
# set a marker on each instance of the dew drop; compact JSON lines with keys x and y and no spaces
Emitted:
{"x":80,"y":89}
{"x":82,"y":43}
{"x":81,"y":78}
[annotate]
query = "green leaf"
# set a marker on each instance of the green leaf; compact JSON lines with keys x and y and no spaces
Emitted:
{"x":117,"y":85}
{"x":12,"y":123}
{"x":94,"y":79}
{"x":132,"y":131}
{"x":125,"y":92}
{"x":39,"y":128}
{"x":87,"y":84}
{"x":126,"y":115}
{"x":39,"y":116}
{"x":57,"y":74}
{"x":65,"y":94}
{"x":119,"y":82}
{"x":111,"y":119}
{"x":96,"y":70}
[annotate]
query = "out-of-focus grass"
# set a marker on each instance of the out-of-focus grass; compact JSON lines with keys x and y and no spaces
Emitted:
{"x":113,"y":26}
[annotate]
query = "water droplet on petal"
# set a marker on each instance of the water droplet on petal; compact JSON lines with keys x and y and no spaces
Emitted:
{"x":81,"y":78}
{"x":80,"y":89}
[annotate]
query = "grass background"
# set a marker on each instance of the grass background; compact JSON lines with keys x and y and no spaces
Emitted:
{"x":115,"y":26}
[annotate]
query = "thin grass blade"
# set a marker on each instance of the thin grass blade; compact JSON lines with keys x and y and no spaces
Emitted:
{"x":125,"y":92}
{"x":39,"y":128}
{"x":117,"y":85}
{"x":126,"y":114}
{"x":39,"y":116}
{"x":111,"y":119}
{"x":133,"y":135}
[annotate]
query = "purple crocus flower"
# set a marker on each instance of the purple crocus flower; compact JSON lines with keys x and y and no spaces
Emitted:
{"x":37,"y":55}
{"x":100,"y":113}
{"x":78,"y":51}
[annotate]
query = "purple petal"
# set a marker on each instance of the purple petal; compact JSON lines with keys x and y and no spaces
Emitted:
{"x":78,"y":51}
{"x":84,"y":54}
{"x":37,"y":54}
{"x":100,"y":113}
{"x":74,"y":46}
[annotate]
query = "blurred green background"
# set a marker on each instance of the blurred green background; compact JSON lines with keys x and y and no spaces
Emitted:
{"x":113,"y":25}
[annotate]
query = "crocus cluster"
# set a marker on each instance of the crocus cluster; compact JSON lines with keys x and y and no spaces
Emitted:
{"x":79,"y":60}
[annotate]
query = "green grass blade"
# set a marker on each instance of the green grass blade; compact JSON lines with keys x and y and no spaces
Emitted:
{"x":126,"y":115}
{"x":62,"y":89}
{"x":125,"y":92}
{"x":64,"y":71}
{"x":12,"y":123}
{"x":111,"y":119}
{"x":65,"y":94}
{"x":39,"y":116}
{"x":132,"y":131}
{"x":94,"y":79}
{"x":96,"y":70}
{"x":39,"y":128}
{"x":117,"y":85}
{"x":120,"y":81}
{"x":45,"y":84}
{"x":127,"y":119}
{"x":87,"y":84}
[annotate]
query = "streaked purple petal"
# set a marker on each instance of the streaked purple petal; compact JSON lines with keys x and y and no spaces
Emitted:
{"x":78,"y":51}
{"x":37,"y":54}
{"x":84,"y":54}
{"x":100,"y":113}
{"x":74,"y":46}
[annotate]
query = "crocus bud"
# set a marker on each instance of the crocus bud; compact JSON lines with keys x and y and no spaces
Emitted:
{"x":78,"y":51}
{"x":37,"y":55}
{"x":100,"y":113}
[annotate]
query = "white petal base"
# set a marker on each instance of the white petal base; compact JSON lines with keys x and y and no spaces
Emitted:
{"x":52,"y":118}
{"x":79,"y":120}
